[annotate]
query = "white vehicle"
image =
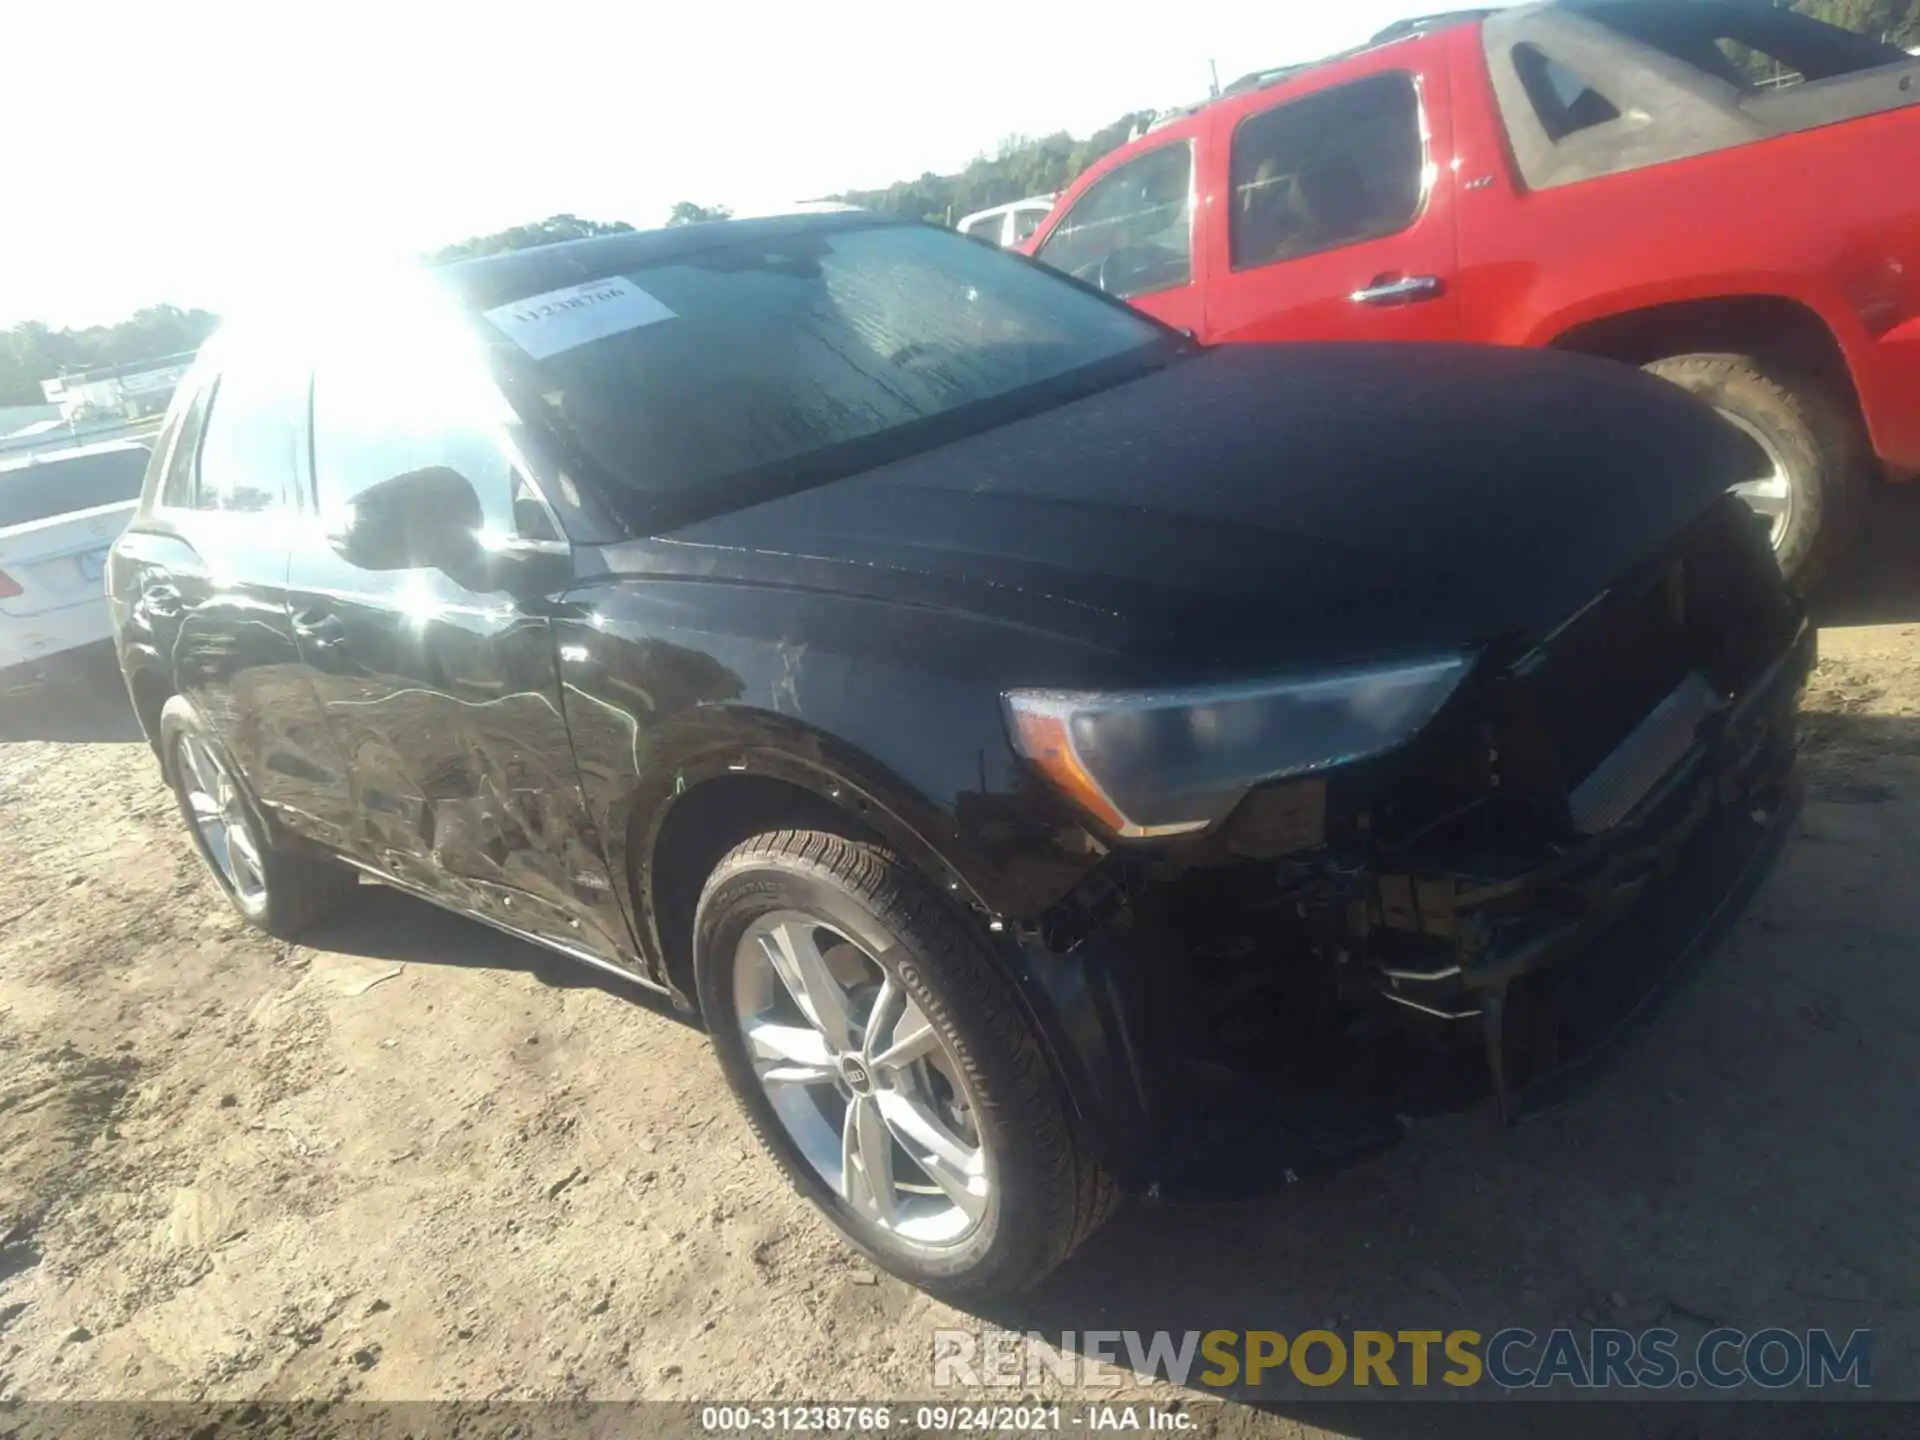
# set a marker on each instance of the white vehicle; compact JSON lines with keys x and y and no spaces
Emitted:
{"x":59,"y":511}
{"x":1007,"y":225}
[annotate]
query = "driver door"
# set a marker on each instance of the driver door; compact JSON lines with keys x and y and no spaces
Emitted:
{"x":1131,"y":234}
{"x":442,"y":692}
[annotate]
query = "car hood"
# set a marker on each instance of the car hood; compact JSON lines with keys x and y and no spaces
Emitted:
{"x":1267,"y":508}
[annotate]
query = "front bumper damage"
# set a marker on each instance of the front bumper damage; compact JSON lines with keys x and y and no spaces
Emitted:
{"x":1556,"y":963}
{"x":1317,"y":1021}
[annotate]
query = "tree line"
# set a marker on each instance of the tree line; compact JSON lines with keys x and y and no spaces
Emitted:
{"x":1023,"y":166}
{"x":31,"y":352}
{"x":1020,"y":166}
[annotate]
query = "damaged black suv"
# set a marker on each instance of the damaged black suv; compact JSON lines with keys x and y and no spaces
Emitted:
{"x":1056,"y":761}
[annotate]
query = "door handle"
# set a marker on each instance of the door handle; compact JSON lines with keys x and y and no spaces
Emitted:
{"x":319,"y":628}
{"x":162,"y":600}
{"x":1404,"y":291}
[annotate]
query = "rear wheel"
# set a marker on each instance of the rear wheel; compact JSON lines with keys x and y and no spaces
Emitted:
{"x":281,"y":889}
{"x":883,"y":1060}
{"x":1808,"y":461}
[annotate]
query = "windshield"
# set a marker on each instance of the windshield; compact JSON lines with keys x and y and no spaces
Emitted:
{"x":764,"y":363}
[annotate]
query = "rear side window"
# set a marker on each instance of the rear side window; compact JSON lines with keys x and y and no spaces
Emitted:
{"x":1565,"y":103}
{"x":1331,"y":169}
{"x":1754,"y":47}
{"x":250,"y":446}
{"x":65,"y":484}
{"x":181,"y":447}
{"x":1025,"y":222}
{"x":1132,"y":232}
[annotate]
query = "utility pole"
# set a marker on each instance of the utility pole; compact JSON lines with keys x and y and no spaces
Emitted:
{"x":1213,"y":69}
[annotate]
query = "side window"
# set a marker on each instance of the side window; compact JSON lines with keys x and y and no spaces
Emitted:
{"x":372,"y":422}
{"x":987,"y":227}
{"x":1132,"y":232}
{"x":176,"y":487}
{"x":1332,"y":169}
{"x":1025,"y":222}
{"x":1565,"y":103}
{"x":251,"y":437}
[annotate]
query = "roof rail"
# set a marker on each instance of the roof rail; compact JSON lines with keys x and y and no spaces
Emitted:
{"x":1261,"y":79}
{"x":1171,"y":115}
{"x":1425,"y":24}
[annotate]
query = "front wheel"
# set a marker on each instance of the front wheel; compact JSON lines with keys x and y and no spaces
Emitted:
{"x":1809,"y":468}
{"x":883,"y":1060}
{"x":281,"y":889}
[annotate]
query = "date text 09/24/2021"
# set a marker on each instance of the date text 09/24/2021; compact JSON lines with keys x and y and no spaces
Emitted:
{"x":859,"y":1419}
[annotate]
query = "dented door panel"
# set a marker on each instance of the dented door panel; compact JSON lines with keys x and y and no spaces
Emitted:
{"x":458,"y":776}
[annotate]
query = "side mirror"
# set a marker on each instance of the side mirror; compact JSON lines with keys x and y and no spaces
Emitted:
{"x":425,"y":517}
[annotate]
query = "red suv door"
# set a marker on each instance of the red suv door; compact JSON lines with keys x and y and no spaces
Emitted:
{"x":1130,"y":232}
{"x":1335,"y":220}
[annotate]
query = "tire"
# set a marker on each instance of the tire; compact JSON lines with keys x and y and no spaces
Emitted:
{"x":1807,"y":434}
{"x":297,"y":886}
{"x":1044,"y":1192}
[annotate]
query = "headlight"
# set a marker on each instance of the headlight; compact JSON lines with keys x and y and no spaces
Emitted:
{"x":1169,"y":763}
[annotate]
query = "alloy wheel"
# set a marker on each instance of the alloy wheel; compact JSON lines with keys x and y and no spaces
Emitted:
{"x":222,"y":820}
{"x":861,"y":1081}
{"x":1771,"y":496}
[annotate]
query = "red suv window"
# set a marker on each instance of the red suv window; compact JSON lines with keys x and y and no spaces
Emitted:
{"x":1132,"y":232}
{"x":1330,"y":169}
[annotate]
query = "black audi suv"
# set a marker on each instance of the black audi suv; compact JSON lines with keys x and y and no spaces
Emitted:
{"x":1055,"y":761}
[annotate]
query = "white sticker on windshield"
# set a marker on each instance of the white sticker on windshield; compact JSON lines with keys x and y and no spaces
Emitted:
{"x":544,"y":325}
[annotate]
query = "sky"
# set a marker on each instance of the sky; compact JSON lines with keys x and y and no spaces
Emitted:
{"x":197,"y":152}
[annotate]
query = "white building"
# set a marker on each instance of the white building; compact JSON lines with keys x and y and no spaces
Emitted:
{"x":139,"y":388}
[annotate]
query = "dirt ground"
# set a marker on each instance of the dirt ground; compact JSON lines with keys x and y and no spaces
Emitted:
{"x":415,"y":1159}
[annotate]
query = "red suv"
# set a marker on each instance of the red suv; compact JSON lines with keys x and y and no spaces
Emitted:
{"x":1715,"y":190}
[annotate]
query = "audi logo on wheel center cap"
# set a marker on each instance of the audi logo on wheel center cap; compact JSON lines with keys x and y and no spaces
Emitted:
{"x":855,"y":1073}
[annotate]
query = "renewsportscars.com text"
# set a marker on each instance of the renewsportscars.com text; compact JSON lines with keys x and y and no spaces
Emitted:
{"x":1510,"y":1359}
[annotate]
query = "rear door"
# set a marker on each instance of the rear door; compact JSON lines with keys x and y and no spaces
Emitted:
{"x":1338,"y":207}
{"x":1131,"y":233}
{"x":443,"y":696}
{"x":58,"y":517}
{"x":201,"y":577}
